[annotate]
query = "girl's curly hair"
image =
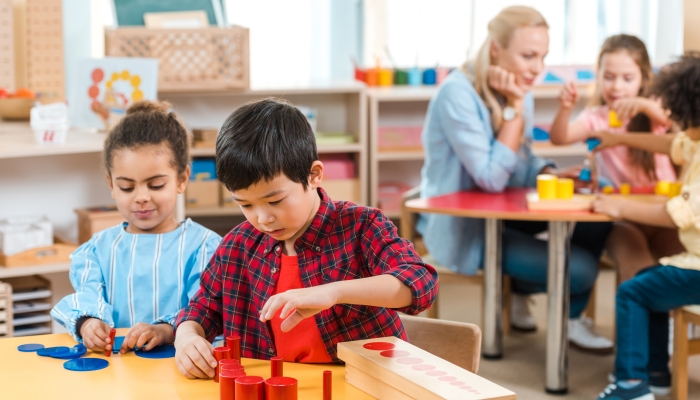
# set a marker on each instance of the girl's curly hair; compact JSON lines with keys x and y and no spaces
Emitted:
{"x":678,"y":85}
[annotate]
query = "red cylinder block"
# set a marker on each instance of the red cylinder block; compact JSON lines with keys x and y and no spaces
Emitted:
{"x":281,"y":388}
{"x":276,"y":367}
{"x":233,"y":342}
{"x":327,"y":385}
{"x":227,"y":383}
{"x":250,"y":388}
{"x":220,"y":353}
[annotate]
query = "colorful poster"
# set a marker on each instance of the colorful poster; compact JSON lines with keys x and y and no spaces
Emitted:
{"x":103,"y":88}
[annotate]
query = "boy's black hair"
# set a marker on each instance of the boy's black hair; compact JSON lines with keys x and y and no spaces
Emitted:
{"x":149,"y":123}
{"x":678,"y":85}
{"x":262,"y":139}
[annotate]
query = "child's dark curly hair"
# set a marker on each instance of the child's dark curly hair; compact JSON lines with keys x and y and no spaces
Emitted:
{"x":149,"y":123}
{"x":678,"y":85}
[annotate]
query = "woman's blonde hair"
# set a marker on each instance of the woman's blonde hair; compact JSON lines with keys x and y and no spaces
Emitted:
{"x":500,"y":29}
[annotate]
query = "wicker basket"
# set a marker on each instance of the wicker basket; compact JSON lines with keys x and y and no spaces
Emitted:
{"x":189,"y":59}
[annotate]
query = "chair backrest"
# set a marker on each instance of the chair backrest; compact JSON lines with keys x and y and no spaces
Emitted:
{"x":456,"y":342}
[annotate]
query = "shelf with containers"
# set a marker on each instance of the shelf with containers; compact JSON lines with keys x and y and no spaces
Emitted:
{"x":396,"y":117}
{"x":338,"y":110}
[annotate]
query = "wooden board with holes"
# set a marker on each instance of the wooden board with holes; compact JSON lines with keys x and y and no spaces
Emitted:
{"x":390,"y":368}
{"x":580,"y":202}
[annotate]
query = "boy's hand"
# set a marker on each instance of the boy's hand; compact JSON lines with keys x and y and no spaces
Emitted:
{"x":503,"y":81}
{"x":147,"y":336}
{"x":609,"y":205}
{"x":95,"y":334}
{"x":568,"y":96}
{"x":297,"y":304}
{"x":194,"y":355}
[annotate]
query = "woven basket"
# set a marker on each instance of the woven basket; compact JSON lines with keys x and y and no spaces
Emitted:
{"x":189,"y":59}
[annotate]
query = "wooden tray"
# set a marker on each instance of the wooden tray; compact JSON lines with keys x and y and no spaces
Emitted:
{"x":57,"y":253}
{"x":580,"y":202}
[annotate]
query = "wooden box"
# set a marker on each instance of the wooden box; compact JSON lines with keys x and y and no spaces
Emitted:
{"x":343,"y":189}
{"x":204,"y":138}
{"x":227,"y":197}
{"x":31,"y":305}
{"x":202,"y":193}
{"x":94,"y":219}
{"x":58,"y":252}
{"x":189,"y":59}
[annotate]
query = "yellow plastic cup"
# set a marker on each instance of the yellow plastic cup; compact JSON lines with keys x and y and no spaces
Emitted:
{"x":662,"y":188}
{"x":675,"y":189}
{"x":608,"y":189}
{"x":565,"y":188}
{"x":613,"y":121}
{"x":625,"y":188}
{"x":386,"y":77}
{"x":547,"y":186}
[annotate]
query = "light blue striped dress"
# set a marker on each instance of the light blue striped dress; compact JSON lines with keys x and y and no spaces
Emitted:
{"x":124,"y":278}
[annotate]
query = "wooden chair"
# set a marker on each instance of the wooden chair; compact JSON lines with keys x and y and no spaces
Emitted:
{"x":682,"y":348}
{"x":445,"y":275}
{"x":456,"y":342}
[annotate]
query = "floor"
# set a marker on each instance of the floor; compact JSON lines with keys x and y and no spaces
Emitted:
{"x":522,"y":369}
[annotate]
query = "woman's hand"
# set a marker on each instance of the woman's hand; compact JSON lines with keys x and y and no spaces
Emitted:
{"x":503,"y":81}
{"x":568,"y":97}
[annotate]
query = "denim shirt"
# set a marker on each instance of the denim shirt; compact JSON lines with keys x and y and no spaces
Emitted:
{"x":462,"y":153}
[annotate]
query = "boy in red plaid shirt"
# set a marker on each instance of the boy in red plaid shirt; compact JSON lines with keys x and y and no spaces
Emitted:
{"x":304,"y":272}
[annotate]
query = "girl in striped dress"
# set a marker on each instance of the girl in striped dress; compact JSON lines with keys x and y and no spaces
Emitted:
{"x":140,"y":273}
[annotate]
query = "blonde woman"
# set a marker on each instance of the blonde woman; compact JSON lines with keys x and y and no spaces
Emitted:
{"x":477,"y":135}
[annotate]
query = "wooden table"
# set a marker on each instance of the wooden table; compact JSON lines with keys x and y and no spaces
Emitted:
{"x":29,"y":376}
{"x":512,"y":205}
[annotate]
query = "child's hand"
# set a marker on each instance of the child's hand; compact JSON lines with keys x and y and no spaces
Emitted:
{"x":95,"y":334}
{"x":607,"y":140}
{"x":609,"y":205}
{"x":629,"y":107}
{"x":503,"y":82}
{"x":297,"y":304}
{"x":568,"y":96}
{"x":194,"y":356}
{"x":147,"y":336}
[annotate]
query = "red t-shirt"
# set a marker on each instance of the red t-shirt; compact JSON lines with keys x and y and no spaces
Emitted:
{"x":303,"y":343}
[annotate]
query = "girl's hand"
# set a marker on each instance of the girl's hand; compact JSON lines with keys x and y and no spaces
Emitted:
{"x":568,"y":96}
{"x":95,"y":334}
{"x":607,"y":140}
{"x":503,"y":81}
{"x":147,"y":336}
{"x":297,"y":304}
{"x":194,"y":356}
{"x":570,"y":172}
{"x":609,"y":205}
{"x":629,"y":107}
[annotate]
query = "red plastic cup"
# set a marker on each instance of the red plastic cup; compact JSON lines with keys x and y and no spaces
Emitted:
{"x":327,"y":385}
{"x":372,"y":77}
{"x":276,"y":367}
{"x":112,"y":335}
{"x":227,"y":384}
{"x":250,"y":388}
{"x":220,"y":353}
{"x":281,"y":388}
{"x":233,"y":342}
{"x":360,"y":75}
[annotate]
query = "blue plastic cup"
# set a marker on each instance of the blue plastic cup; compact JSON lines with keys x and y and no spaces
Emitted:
{"x":414,"y":77}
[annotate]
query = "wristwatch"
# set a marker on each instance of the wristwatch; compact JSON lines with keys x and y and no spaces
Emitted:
{"x":509,"y":113}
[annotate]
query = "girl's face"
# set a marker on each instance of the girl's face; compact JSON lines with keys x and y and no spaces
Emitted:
{"x":524,"y":56}
{"x":145,"y":186}
{"x":619,"y":76}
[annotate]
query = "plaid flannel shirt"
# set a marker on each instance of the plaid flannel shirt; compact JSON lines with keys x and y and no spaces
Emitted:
{"x":344,"y":241}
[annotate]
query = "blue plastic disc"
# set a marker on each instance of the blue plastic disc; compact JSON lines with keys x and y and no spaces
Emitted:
{"x":47,"y":351}
{"x":76,"y":351}
{"x":164,"y":351}
{"x":86,"y":364}
{"x":30,"y":347}
{"x":118,"y":341}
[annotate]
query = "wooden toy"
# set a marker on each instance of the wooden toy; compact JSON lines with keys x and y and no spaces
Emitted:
{"x":613,"y":121}
{"x":327,"y":385}
{"x":389,"y":368}
{"x":233,"y":342}
{"x":250,"y":388}
{"x":220,"y":353}
{"x":276,"y":367}
{"x":112,"y":335}
{"x":547,"y":186}
{"x":578,"y":202}
{"x":281,"y":388}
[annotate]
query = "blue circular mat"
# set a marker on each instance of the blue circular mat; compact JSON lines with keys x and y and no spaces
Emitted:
{"x":86,"y":364}
{"x":164,"y":351}
{"x":30,"y":347}
{"x":48,"y":351}
{"x":76,"y":351}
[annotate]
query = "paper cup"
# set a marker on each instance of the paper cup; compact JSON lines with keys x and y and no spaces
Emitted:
{"x":547,"y":186}
{"x":565,"y":188}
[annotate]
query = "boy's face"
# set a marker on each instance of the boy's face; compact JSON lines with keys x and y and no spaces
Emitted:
{"x":145,"y":186}
{"x":281,"y":208}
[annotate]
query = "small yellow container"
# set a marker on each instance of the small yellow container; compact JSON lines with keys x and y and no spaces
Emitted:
{"x":625,"y":188}
{"x":662,"y":188}
{"x":675,"y":189}
{"x":386,"y":77}
{"x":613,"y":121}
{"x":565,"y":188}
{"x":547,"y":186}
{"x":608,"y":189}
